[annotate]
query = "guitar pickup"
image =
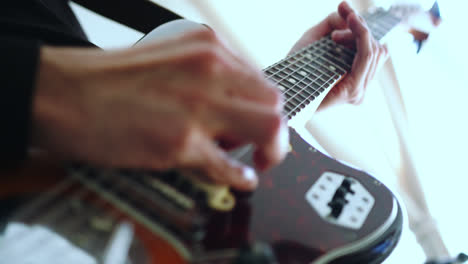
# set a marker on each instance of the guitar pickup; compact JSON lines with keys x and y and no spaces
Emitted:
{"x":340,"y":200}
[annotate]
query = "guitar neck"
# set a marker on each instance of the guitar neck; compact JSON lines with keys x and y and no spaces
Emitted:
{"x":306,"y":76}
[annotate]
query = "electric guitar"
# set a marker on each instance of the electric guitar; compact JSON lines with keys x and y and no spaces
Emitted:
{"x":309,"y":209}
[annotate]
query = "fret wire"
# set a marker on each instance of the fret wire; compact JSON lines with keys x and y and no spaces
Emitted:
{"x":312,"y":70}
{"x":345,"y":65}
{"x":321,"y":68}
{"x":333,"y":57}
{"x":309,"y":86}
{"x":323,"y":62}
{"x":279,"y":71}
{"x":377,"y":32}
{"x":301,"y":90}
{"x":293,"y":110}
{"x":296,"y":91}
{"x":331,"y":66}
{"x":345,"y":51}
{"x":338,"y":64}
{"x":311,"y":63}
{"x":386,"y":24}
{"x":345,"y":54}
{"x":349,"y":53}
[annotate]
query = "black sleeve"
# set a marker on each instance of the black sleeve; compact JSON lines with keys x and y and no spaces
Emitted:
{"x":25,"y":25}
{"x":17,"y":79}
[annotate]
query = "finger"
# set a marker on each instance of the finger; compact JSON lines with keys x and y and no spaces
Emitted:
{"x":214,"y":68}
{"x":364,"y":55}
{"x":380,"y":57}
{"x":344,"y":10}
{"x":253,"y":86}
{"x":332,"y":22}
{"x":218,"y":167}
{"x":246,"y":121}
{"x":272,"y":153}
{"x":228,"y":144}
{"x":242,"y":79}
{"x":374,"y":62}
{"x":344,"y":37}
{"x":250,"y":82}
{"x":384,"y":55}
{"x":243,"y":121}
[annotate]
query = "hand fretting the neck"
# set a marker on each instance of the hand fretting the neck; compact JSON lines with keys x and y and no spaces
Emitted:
{"x":307,"y":74}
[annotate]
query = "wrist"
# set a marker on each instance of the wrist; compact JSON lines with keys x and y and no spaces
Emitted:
{"x":56,"y":108}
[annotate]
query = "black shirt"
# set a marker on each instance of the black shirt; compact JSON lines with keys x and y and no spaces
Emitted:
{"x":25,"y":25}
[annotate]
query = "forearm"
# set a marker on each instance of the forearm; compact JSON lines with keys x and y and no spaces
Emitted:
{"x":59,"y":107}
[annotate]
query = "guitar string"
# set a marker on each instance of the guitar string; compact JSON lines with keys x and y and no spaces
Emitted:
{"x":295,"y":85}
{"x":304,"y":92}
{"x":29,"y":209}
{"x":25,"y":234}
{"x":317,"y":52}
{"x":308,"y":86}
{"x":291,"y":64}
{"x":373,"y":21}
{"x":79,"y":193}
{"x":59,"y":209}
{"x":123,"y":182}
{"x":299,"y":68}
{"x":301,"y":90}
{"x":291,"y":111}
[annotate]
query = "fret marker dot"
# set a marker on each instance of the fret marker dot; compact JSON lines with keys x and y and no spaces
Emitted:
{"x":281,"y":88}
{"x":303,"y":73}
{"x":292,"y":80}
{"x":332,"y":68}
{"x":308,"y":56}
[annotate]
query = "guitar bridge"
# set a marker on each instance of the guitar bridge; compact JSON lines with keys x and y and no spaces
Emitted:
{"x":184,"y":188}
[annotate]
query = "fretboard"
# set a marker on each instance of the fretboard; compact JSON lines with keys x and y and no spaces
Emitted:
{"x":306,"y":75}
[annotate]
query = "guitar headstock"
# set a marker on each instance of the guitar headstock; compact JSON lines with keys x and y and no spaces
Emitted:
{"x":419,"y":22}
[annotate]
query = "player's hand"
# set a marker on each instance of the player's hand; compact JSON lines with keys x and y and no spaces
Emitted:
{"x":177,"y":103}
{"x":348,"y":28}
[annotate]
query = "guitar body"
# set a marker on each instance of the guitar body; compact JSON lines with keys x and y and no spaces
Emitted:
{"x":279,"y":214}
{"x":309,"y":209}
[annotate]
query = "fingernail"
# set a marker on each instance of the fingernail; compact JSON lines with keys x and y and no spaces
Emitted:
{"x":284,"y":137}
{"x":249,"y":174}
{"x":250,"y":178}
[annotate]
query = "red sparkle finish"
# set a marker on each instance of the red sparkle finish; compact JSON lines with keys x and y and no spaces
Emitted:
{"x":277,"y":213}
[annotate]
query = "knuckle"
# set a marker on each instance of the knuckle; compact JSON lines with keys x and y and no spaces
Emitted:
{"x":182,"y":140}
{"x":270,"y":90}
{"x":383,"y":50}
{"x":207,"y":35}
{"x":276,"y":96}
{"x":273,"y":125}
{"x":356,"y":98}
{"x":210,"y":61}
{"x":368,"y":55}
{"x":365,"y":33}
